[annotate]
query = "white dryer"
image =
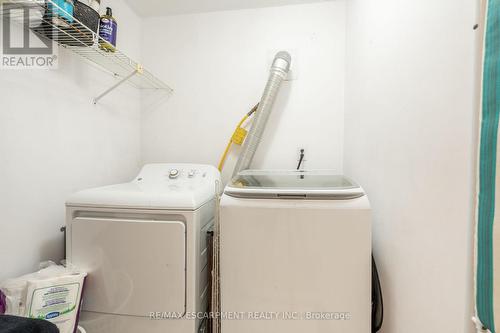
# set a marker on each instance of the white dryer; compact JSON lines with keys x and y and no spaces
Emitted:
{"x":295,"y":254}
{"x":144,"y":246}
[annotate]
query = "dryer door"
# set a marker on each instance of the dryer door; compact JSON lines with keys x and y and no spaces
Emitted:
{"x":135,"y":267}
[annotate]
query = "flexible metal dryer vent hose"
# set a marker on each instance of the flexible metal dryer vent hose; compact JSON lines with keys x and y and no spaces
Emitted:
{"x":278,"y":72}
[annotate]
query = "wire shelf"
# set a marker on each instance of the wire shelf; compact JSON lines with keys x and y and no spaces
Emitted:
{"x":47,"y":20}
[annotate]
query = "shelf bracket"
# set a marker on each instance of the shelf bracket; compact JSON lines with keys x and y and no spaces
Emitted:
{"x":138,"y":70}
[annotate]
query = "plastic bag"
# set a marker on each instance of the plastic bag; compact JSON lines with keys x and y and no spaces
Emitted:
{"x":53,"y":293}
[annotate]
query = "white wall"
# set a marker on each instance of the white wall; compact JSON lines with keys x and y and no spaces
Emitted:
{"x":162,"y":7}
{"x":218,"y":65}
{"x":410,"y":141}
{"x":53,"y":141}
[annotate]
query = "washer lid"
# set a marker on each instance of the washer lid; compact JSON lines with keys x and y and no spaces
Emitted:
{"x":293,"y":185}
{"x":158,"y":186}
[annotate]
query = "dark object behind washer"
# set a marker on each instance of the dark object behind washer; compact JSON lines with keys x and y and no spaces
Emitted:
{"x":377,"y":300}
{"x":208,"y":325}
{"x":12,"y":324}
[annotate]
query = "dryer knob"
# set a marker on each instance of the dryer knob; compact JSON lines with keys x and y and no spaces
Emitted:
{"x":173,"y":173}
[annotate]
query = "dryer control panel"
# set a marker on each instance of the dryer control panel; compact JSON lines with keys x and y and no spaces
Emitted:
{"x":192,"y":173}
{"x":159,"y":186}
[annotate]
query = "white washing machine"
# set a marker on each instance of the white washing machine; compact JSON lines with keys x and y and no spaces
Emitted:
{"x":295,"y":254}
{"x":144,"y":246}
